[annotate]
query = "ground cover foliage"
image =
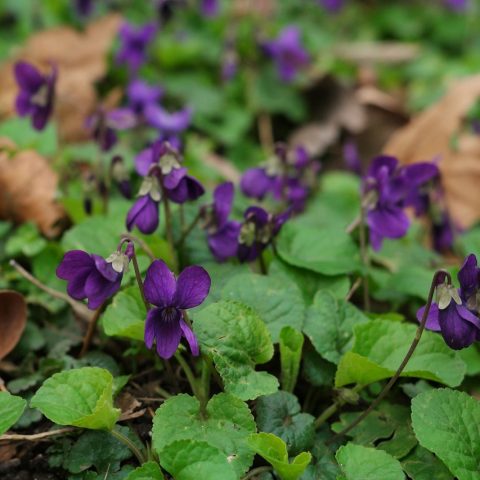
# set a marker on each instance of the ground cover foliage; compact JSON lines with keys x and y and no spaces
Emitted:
{"x":225,"y":251}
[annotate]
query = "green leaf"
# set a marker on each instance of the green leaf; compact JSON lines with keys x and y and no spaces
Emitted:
{"x":329,"y":325}
{"x":11,"y":409}
{"x":364,"y":463}
{"x":420,"y":464}
{"x":196,"y":460}
{"x":225,"y":425}
{"x":80,"y":397}
{"x":236,"y":338}
{"x":20,"y":131}
{"x":391,"y":422}
{"x":280,"y":413}
{"x":148,"y":471}
{"x":317,"y":371}
{"x":329,"y":252}
{"x":291,"y":344}
{"x":274,"y":451}
{"x":125,"y":316}
{"x":26,"y":240}
{"x":380,"y":346}
{"x":277,"y":301}
{"x":471,"y":357}
{"x":97,"y":449}
{"x":310,"y":282}
{"x":447,"y":422}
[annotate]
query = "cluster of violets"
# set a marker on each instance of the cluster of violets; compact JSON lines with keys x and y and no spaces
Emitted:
{"x":389,"y":189}
{"x":456,"y":312}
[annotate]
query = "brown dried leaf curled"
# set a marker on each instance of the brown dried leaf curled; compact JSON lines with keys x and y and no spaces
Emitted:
{"x":13,"y":318}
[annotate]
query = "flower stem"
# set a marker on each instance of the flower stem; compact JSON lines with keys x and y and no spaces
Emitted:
{"x":141,"y":243}
{"x":256,"y":471}
{"x":262,"y":264}
{"x":168,"y":224}
{"x":186,"y":231}
{"x":435,"y":281}
{"x":365,"y":259}
{"x":138,"y":277}
{"x":190,"y":376}
{"x":126,"y":441}
{"x":205,"y":382}
{"x":87,"y":339}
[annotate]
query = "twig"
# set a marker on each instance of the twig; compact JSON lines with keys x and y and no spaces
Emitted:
{"x":438,"y":274}
{"x":353,"y":289}
{"x":79,"y":308}
{"x":87,"y":339}
{"x":255,"y":472}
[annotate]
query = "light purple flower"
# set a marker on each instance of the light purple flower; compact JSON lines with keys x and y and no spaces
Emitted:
{"x":134,"y":45}
{"x":351,"y":157}
{"x":91,"y":276}
{"x":36,"y":93}
{"x":456,"y":314}
{"x":457,"y":5}
{"x":168,"y":122}
{"x":166,"y":323}
{"x":140,"y":95}
{"x":288,"y":53}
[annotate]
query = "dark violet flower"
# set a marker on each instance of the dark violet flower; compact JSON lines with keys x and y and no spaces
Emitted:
{"x":166,"y":323}
{"x":91,"y":276}
{"x":351,"y":157}
{"x":120,"y":176}
{"x":443,"y":233}
{"x":140,"y":94}
{"x":222,"y":233}
{"x":457,"y":5}
{"x":388,"y":189}
{"x":209,"y":7}
{"x":179,"y":186}
{"x":288,"y":53}
{"x":417,"y":177}
{"x":36,"y":93}
{"x":456,"y":312}
{"x":104,"y":125}
{"x":144,"y":213}
{"x":256,"y":183}
{"x":332,"y":6}
{"x":134,"y":44}
{"x":84,"y":8}
{"x":257,"y":231}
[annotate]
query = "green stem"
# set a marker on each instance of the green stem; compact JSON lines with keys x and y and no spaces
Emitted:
{"x":186,"y":232}
{"x":189,"y":374}
{"x":438,"y":276}
{"x":168,"y":224}
{"x":138,"y":276}
{"x":365,"y":259}
{"x":262,"y":264}
{"x":205,"y":382}
{"x":134,"y":449}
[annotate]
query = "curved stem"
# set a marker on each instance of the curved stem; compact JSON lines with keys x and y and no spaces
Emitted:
{"x":138,"y":276}
{"x":365,"y":259}
{"x":126,"y":441}
{"x":189,"y":374}
{"x":142,"y":244}
{"x":437,"y":278}
{"x":256,"y":471}
{"x":186,"y":232}
{"x":90,"y":331}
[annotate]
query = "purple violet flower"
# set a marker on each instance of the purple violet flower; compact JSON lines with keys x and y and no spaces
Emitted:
{"x":104,"y":125}
{"x":388,"y":189}
{"x":144,"y":212}
{"x":120,"y":176}
{"x":351,"y":157}
{"x":36,"y":93}
{"x":257,"y":231}
{"x":457,"y":5}
{"x":332,"y":6}
{"x":456,"y":312}
{"x":222,"y":233}
{"x":209,"y":8}
{"x":288,"y":53}
{"x":93,"y":277}
{"x":140,"y":94}
{"x":84,"y":8}
{"x":134,"y":44}
{"x":443,"y":233}
{"x":179,"y":186}
{"x":166,"y":323}
{"x":170,"y":124}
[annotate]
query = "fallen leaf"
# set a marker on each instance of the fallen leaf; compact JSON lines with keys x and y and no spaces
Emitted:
{"x":13,"y":318}
{"x":27,"y":191}
{"x":430,"y":134}
{"x":81,"y":58}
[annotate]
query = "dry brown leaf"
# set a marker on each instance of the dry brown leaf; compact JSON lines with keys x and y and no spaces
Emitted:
{"x":13,"y":318}
{"x":27,"y":191}
{"x":429,"y":135}
{"x":81,"y":58}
